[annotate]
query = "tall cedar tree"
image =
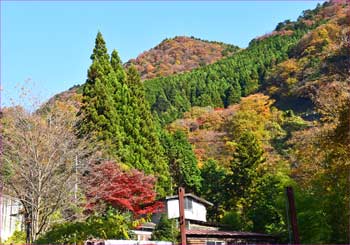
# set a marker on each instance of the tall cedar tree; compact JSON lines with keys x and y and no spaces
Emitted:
{"x":182,"y":162}
{"x":247,"y":158}
{"x":142,"y":148}
{"x":214,"y":188}
{"x":99,"y":115}
{"x":116,"y":114}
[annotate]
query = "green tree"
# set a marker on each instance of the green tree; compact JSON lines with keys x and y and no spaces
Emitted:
{"x":111,"y":225}
{"x":117,"y":116}
{"x":18,"y":237}
{"x":264,"y":207}
{"x":166,"y":230}
{"x":182,"y":162}
{"x":98,"y":115}
{"x":214,"y":188}
{"x":247,"y":157}
{"x":142,"y":148}
{"x":232,"y":94}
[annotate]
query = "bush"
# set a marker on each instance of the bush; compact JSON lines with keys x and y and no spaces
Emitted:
{"x":112,"y":225}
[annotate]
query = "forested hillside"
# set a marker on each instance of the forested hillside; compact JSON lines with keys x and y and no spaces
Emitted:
{"x":263,"y":144}
{"x":224,"y":82}
{"x":234,"y":126}
{"x":179,"y":54}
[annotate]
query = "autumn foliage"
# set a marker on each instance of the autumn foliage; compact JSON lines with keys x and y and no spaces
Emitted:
{"x":124,"y":190}
{"x":178,"y":55}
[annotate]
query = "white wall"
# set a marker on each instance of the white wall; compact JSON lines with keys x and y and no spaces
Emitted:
{"x":8,"y":223}
{"x":198,"y":212}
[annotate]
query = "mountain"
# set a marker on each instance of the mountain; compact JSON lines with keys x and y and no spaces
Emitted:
{"x":318,"y":61}
{"x":180,"y":54}
{"x":316,"y":34}
{"x":295,"y":102}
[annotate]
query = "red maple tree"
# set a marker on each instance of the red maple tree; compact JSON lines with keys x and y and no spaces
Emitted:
{"x":125,"y":190}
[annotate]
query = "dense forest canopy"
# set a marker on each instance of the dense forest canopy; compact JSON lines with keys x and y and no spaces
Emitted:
{"x":234,"y":126}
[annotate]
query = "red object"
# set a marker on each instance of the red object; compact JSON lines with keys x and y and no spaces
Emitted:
{"x":126,"y":190}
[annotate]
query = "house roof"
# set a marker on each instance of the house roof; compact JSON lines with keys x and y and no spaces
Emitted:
{"x":201,"y":200}
{"x":227,"y":234}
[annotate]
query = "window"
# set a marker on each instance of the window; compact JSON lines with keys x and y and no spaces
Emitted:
{"x":188,"y":204}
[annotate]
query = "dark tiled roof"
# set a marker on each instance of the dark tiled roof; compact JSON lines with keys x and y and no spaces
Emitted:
{"x":214,"y":233}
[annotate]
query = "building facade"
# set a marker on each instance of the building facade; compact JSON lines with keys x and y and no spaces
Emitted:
{"x":10,"y":218}
{"x":199,"y":231}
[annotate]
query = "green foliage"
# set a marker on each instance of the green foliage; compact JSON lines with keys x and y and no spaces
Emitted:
{"x":111,"y":225}
{"x":214,"y":187}
{"x":312,"y":217}
{"x":219,"y":84}
{"x":98,"y":115}
{"x":232,"y":221}
{"x":117,"y":116}
{"x":256,"y":194}
{"x":263,"y":205}
{"x":166,"y":230}
{"x":247,"y":158}
{"x":182,"y":162}
{"x":141,"y":145}
{"x":18,"y":237}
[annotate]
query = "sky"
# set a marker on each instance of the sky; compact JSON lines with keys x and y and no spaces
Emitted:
{"x":46,"y":45}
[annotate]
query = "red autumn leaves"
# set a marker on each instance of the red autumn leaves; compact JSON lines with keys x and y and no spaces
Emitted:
{"x":128,"y":190}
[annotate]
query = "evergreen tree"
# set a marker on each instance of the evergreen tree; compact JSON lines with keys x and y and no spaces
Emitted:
{"x":182,"y":162}
{"x":214,"y":188}
{"x":98,"y":116}
{"x":116,"y":115}
{"x":142,"y":148}
{"x":117,"y":66}
{"x":232,"y":94}
{"x":247,"y":157}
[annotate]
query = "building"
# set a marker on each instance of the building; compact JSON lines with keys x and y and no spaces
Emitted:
{"x":144,"y":232}
{"x":199,"y":231}
{"x":10,"y":218}
{"x":195,"y":211}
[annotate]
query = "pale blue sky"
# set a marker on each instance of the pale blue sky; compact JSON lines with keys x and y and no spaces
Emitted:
{"x":50,"y":42}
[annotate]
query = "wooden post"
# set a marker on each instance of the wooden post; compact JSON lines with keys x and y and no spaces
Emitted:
{"x":293,"y":215}
{"x":182,"y":215}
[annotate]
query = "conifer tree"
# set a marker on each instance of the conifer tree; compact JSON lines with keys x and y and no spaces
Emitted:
{"x":182,"y":162}
{"x":142,"y":148}
{"x":247,"y":158}
{"x":98,"y":116}
{"x":214,"y":188}
{"x":116,"y":115}
{"x":117,"y":66}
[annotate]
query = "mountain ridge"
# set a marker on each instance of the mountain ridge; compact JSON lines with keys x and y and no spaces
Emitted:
{"x":179,"y":54}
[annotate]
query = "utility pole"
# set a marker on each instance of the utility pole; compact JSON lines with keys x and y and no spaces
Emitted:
{"x":293,"y":214}
{"x":182,"y":215}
